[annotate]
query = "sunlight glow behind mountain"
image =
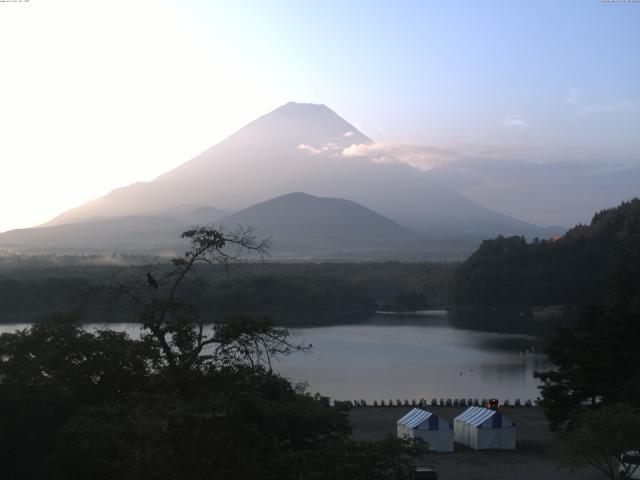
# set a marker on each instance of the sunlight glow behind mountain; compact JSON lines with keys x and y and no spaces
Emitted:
{"x":100,"y":94}
{"x":103,"y":94}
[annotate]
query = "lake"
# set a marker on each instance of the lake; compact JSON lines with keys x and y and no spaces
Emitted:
{"x":431,"y":354}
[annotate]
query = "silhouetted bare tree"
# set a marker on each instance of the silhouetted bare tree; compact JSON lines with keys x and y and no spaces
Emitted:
{"x":175,"y":326}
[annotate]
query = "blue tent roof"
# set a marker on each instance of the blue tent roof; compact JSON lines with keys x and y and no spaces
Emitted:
{"x":476,"y":416}
{"x":417,"y":417}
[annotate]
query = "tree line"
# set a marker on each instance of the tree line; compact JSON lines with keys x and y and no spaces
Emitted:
{"x":290,"y":293}
{"x":571,"y":270}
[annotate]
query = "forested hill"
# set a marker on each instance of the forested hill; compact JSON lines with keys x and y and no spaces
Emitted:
{"x":572,"y":270}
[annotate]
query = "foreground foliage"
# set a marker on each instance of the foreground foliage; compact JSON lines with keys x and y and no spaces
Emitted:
{"x":597,"y":360}
{"x":601,"y":437}
{"x":180,"y":403}
{"x":592,"y":397}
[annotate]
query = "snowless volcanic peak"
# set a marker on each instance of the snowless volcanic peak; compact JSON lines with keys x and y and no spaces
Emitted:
{"x":292,"y":127}
{"x":241,"y":170}
{"x":299,"y":147}
{"x":304,"y":123}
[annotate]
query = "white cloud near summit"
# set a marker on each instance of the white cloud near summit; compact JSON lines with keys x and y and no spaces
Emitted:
{"x":420,"y":156}
{"x":325,"y":148}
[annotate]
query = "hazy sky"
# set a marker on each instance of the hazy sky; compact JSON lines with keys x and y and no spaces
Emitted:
{"x":99,"y":94}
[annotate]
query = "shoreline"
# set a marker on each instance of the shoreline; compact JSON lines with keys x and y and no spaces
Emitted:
{"x":537,"y":456}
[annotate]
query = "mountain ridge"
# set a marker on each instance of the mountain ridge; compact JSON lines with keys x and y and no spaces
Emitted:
{"x":291,"y":117}
{"x":300,"y":225}
{"x":299,"y":147}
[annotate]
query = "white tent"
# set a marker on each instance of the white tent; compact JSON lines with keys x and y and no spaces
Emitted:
{"x":429,"y":427}
{"x":481,"y":428}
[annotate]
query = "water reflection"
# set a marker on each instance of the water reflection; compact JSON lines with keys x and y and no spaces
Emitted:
{"x":430,"y":355}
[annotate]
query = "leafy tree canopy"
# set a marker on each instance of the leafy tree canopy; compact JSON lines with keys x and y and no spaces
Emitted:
{"x":571,"y":270}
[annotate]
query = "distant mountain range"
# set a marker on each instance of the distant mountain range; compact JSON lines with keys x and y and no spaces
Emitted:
{"x":125,"y":234}
{"x":299,"y":225}
{"x":556,"y":193}
{"x":382,"y":206}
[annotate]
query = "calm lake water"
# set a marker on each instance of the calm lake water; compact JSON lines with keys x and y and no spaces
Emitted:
{"x":429,"y":355}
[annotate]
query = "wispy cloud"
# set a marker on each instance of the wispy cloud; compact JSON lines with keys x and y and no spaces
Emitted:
{"x":309,"y":148}
{"x":622,"y":106}
{"x":424,"y":157}
{"x":348,"y":134}
{"x":513,"y":121}
{"x":420,"y":156}
{"x":573,"y":95}
{"x":325,"y":148}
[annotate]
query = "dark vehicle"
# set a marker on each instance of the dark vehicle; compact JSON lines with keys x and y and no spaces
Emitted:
{"x":427,"y":472}
{"x":629,"y":466}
